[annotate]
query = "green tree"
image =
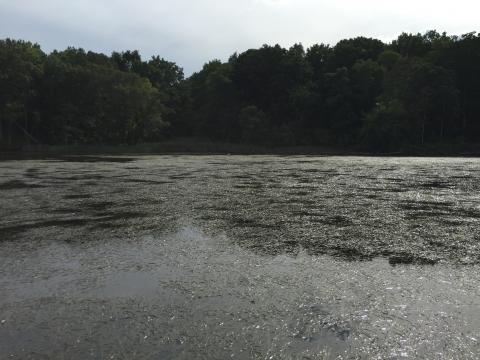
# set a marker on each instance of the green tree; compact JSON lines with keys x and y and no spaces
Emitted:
{"x":348,"y":52}
{"x":367,"y":84}
{"x":429,"y":94}
{"x":385,"y":128}
{"x":339,"y":108}
{"x":83,"y":102}
{"x":388,"y":59}
{"x":20,"y":70}
{"x":411,"y":45}
{"x":253,"y":124}
{"x":463,"y":57}
{"x":214,"y":101}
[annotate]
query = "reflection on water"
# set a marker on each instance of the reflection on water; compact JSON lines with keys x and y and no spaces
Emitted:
{"x":242,"y":257}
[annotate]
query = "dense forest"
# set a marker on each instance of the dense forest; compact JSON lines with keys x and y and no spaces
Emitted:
{"x":363,"y":93}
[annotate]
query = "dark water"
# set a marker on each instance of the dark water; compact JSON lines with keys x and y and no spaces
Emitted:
{"x":182,"y":257}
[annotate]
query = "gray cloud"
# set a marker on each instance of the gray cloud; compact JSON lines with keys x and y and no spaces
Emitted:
{"x":192,"y":32}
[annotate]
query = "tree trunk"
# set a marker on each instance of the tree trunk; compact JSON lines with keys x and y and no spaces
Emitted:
{"x":9,"y":132}
{"x":1,"y":130}
{"x":25,"y":115}
{"x":464,"y":118}
{"x":442,"y":122}
{"x":423,"y":127}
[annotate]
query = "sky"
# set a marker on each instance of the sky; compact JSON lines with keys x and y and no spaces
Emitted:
{"x":192,"y":32}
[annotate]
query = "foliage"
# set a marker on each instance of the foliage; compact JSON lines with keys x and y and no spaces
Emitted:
{"x":385,"y":128}
{"x":420,"y":88}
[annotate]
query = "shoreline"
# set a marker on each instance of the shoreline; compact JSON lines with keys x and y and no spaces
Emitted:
{"x":188,"y":147}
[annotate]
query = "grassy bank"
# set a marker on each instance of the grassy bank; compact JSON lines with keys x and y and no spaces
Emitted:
{"x":205,"y":147}
{"x":177,"y":146}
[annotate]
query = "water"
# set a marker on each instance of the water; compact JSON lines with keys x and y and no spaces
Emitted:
{"x":214,"y":257}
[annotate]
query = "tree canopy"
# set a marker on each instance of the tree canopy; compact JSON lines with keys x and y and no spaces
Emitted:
{"x":418,"y":89}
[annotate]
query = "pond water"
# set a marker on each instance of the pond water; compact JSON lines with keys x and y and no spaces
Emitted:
{"x":215,"y":257}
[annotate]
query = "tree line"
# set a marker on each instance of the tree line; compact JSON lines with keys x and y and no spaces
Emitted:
{"x":418,"y":89}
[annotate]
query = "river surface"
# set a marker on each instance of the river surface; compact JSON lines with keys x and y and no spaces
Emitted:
{"x":259,"y":257}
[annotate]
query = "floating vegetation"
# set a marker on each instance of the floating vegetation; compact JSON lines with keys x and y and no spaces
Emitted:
{"x":18,"y":184}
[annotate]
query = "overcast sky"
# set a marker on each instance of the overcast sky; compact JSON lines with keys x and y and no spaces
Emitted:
{"x":191,"y":32}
